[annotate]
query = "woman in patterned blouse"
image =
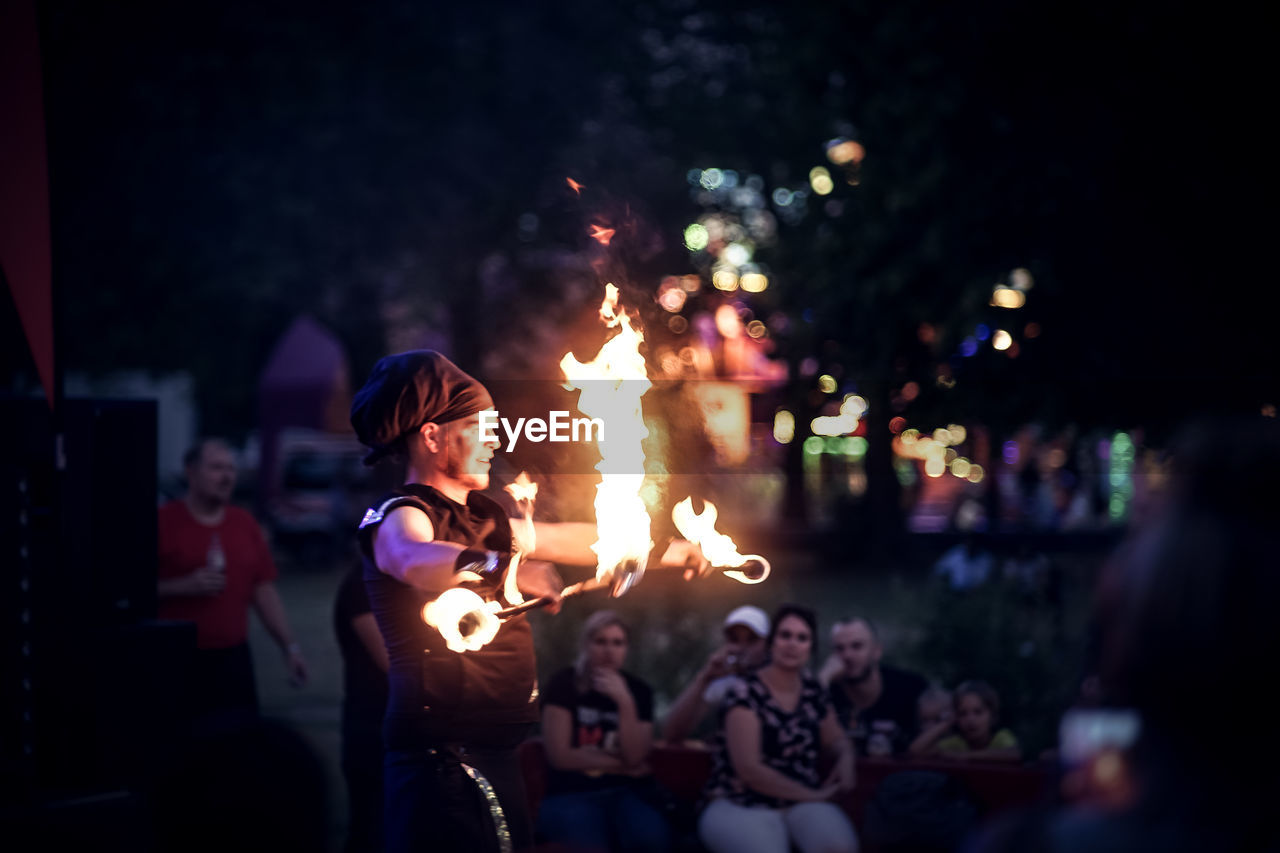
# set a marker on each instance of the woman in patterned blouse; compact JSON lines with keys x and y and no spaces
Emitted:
{"x":765,"y":792}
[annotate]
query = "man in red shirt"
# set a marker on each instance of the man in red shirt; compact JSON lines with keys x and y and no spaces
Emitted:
{"x":214,"y":564}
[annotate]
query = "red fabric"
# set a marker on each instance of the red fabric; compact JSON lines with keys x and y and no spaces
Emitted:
{"x":221,"y":620}
{"x":24,"y":191}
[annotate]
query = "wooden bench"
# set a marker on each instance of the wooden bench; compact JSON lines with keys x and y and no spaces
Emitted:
{"x":994,"y":787}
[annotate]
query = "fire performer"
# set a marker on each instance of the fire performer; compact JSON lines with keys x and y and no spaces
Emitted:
{"x":453,"y":719}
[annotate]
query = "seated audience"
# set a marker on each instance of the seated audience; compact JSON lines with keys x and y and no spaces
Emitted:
{"x":743,"y":649}
{"x":875,"y":704}
{"x":765,"y":792}
{"x":977,"y":712}
{"x":935,"y":715}
{"x":597,"y":727}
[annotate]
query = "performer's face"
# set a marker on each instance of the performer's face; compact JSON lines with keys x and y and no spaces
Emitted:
{"x":466,"y":458}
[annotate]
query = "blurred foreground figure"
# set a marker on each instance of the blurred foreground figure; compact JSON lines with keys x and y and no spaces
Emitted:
{"x":1186,"y":633}
{"x":214,"y":565}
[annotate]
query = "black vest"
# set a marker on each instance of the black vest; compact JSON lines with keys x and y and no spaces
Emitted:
{"x":438,"y":696}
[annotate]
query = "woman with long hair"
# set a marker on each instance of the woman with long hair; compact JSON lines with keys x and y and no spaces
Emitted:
{"x":765,"y":789}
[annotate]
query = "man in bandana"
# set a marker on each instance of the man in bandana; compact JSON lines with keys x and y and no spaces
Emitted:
{"x":453,"y":719}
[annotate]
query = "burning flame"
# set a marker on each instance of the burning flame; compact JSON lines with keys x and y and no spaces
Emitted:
{"x":523,"y":533}
{"x":604,"y":235}
{"x":612,"y":385}
{"x":465,"y":620}
{"x":719,"y":549}
{"x":577,"y":187}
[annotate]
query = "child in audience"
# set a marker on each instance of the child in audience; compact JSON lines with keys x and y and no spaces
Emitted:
{"x":975,"y":737}
{"x":935,"y":717}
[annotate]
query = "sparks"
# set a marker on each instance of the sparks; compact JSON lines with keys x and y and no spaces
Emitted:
{"x":604,"y":235}
{"x":574,"y":185}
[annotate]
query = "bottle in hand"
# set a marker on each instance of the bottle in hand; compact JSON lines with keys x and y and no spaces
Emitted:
{"x":215,"y":558}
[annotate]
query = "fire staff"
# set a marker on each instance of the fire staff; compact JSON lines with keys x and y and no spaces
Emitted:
{"x":453,"y":719}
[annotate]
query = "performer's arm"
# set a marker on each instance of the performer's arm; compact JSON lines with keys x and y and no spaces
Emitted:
{"x":567,"y":543}
{"x":404,"y":546}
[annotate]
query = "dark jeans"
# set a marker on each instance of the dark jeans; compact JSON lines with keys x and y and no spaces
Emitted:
{"x":609,"y":819}
{"x":432,"y":804}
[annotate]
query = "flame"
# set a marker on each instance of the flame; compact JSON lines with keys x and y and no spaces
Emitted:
{"x":604,"y":235}
{"x":719,"y":549}
{"x":460,"y":609}
{"x":523,"y":533}
{"x":523,"y":489}
{"x":612,"y":385}
{"x":577,"y":187}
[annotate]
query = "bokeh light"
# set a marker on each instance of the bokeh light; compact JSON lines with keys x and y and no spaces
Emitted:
{"x":1021,"y":279}
{"x":842,"y":151}
{"x":827,"y":383}
{"x":820,"y":180}
{"x":1007,"y":297}
{"x":1001,"y":340}
{"x":784,"y":426}
{"x":737,"y":254}
{"x":696,"y":237}
{"x":756,"y":329}
{"x":728,"y":323}
{"x":754,"y":282}
{"x":960,"y":467}
{"x":725,"y":279}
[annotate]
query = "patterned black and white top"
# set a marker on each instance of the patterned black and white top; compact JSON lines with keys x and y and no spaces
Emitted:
{"x":789,"y":742}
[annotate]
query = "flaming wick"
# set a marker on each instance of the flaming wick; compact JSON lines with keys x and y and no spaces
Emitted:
{"x":524,"y":491}
{"x":700,"y":529}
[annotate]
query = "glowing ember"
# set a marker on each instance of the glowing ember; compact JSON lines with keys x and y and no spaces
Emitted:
{"x":523,"y":534}
{"x":465,"y":620}
{"x":577,"y":187}
{"x":719,"y":549}
{"x":604,"y":235}
{"x":612,"y":385}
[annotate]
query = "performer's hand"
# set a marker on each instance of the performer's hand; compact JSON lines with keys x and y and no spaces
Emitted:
{"x":524,"y":537}
{"x":683,"y":554}
{"x":539,"y":579}
{"x":207,"y":581}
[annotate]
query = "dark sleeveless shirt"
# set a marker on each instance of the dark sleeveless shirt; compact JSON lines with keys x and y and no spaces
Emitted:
{"x":487,"y":697}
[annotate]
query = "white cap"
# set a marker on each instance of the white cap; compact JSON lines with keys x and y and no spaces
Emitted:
{"x":750,"y":617}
